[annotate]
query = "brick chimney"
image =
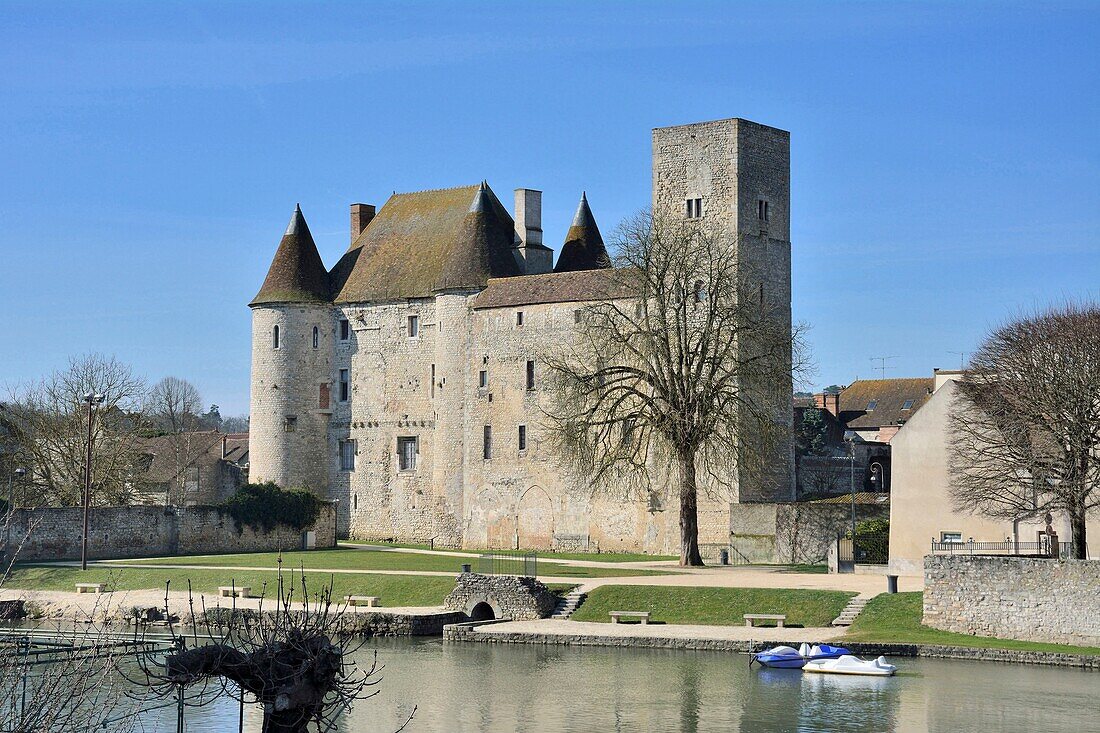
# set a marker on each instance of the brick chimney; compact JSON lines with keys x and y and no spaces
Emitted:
{"x":361,"y":215}
{"x":828,"y":401}
{"x":225,"y":447}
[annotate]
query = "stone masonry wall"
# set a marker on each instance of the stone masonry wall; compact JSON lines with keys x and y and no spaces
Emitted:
{"x":1030,"y":599}
{"x":509,"y":596}
{"x":149,"y":531}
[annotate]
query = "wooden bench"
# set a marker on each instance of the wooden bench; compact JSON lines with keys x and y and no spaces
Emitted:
{"x":370,"y":601}
{"x":238,"y":591}
{"x":642,"y":616}
{"x":90,"y":587}
{"x":778,"y":618}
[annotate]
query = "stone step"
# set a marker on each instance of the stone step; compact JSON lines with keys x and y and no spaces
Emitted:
{"x":851,"y":611}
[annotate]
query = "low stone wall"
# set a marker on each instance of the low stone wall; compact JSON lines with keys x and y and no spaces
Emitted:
{"x":147,"y":531}
{"x":382,"y":623}
{"x":509,"y":596}
{"x":1030,"y":599}
{"x":792,"y":532}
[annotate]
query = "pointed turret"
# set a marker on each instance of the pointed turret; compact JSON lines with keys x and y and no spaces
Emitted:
{"x":584,"y":248}
{"x":483,"y":245}
{"x":297,"y":274}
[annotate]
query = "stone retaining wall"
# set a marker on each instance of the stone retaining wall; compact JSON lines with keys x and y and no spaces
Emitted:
{"x":381,"y":623}
{"x":510,"y":596}
{"x":1030,"y":599}
{"x":148,"y":531}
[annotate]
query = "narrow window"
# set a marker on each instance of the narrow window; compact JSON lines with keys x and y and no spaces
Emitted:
{"x":345,"y":386}
{"x":762,"y":212}
{"x":323,"y":397}
{"x":407,"y":450}
{"x":698,"y":292}
{"x":628,"y":432}
{"x":519,"y":319}
{"x":487,"y":443}
{"x":347,"y":455}
{"x":433,"y":380}
{"x":761,"y":294}
{"x":578,"y":315}
{"x":694,"y":208}
{"x":275,"y":337}
{"x":523,"y":437}
{"x":483,"y":379}
{"x":290,"y":423}
{"x":530,"y":375}
{"x":345,"y":329}
{"x":316,"y":337}
{"x":638,"y":311}
{"x":414,"y":326}
{"x":355,"y":502}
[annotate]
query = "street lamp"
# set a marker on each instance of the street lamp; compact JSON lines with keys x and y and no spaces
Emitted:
{"x":91,"y":399}
{"x":18,"y":473}
{"x":850,"y":436}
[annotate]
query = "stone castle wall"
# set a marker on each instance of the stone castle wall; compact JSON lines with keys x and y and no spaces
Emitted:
{"x":1031,"y":599}
{"x":149,"y":531}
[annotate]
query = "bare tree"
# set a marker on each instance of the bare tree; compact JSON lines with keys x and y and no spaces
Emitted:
{"x":291,"y":655}
{"x":684,"y":364}
{"x":48,"y":420}
{"x":173,"y":404}
{"x":1026,"y":427}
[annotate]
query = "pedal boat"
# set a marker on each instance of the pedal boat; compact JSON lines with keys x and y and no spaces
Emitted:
{"x":847,"y":664}
{"x":785,"y":657}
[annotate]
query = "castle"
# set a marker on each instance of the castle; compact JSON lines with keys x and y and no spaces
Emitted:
{"x":403,"y":382}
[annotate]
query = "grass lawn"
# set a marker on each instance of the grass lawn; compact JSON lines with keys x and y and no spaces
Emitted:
{"x":353,"y":559}
{"x":593,"y":556}
{"x":713,"y":606}
{"x":897,"y":618}
{"x":395,"y":590}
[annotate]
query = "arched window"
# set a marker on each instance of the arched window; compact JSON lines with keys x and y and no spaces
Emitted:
{"x":275,"y":337}
{"x":316,"y":336}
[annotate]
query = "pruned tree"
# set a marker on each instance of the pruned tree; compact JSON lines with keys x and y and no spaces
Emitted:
{"x":684,"y":364}
{"x":1025,"y":430}
{"x":48,"y":420}
{"x":291,"y":655}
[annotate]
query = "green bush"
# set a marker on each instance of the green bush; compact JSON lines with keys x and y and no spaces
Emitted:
{"x":263,"y":506}
{"x":871,"y":528}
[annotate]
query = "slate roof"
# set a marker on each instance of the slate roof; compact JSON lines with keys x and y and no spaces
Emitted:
{"x":423,"y":242}
{"x":584,"y":248}
{"x":174,"y":453}
{"x":297,"y":274}
{"x":889,"y":396}
{"x":553,"y":287}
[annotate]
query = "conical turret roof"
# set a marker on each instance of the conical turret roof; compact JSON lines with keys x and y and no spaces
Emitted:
{"x":297,"y":274}
{"x":584,"y":248}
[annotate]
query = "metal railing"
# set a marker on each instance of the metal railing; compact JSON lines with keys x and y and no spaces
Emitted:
{"x":1003,"y":547}
{"x":495,"y":563}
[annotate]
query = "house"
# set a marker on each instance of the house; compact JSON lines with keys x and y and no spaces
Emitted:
{"x":200,"y":467}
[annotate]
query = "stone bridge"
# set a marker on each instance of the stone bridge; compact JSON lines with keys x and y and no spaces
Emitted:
{"x":486,"y":597}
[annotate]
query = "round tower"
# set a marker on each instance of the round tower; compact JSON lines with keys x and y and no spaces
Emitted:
{"x":292,"y":351}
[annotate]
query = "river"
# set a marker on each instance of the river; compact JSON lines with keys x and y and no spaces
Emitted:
{"x":460,"y":687}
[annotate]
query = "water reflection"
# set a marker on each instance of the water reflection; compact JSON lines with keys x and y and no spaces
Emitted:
{"x":490,"y":687}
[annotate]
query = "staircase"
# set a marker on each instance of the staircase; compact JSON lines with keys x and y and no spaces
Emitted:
{"x":568,"y":604}
{"x":853,"y":609}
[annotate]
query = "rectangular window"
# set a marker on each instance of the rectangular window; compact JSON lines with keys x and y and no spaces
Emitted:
{"x":762,"y":212}
{"x":523,"y":437}
{"x":483,"y":379}
{"x":694,"y":208}
{"x":872,"y":405}
{"x":519,"y":319}
{"x":414,"y":326}
{"x":578,"y":315}
{"x":908,"y":405}
{"x":275,"y":337}
{"x":433,"y":380}
{"x":951,"y":536}
{"x":323,"y":397}
{"x":530,"y":375}
{"x":290,"y":423}
{"x":345,"y":329}
{"x":347,"y":455}
{"x":345,"y":385}
{"x":487,"y":443}
{"x":407,"y":450}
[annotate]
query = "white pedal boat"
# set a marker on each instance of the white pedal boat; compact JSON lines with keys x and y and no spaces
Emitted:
{"x":848,"y":664}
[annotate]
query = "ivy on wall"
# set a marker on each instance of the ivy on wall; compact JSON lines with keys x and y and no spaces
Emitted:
{"x":263,"y":506}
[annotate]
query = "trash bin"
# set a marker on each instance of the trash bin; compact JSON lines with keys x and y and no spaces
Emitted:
{"x":465,"y":568}
{"x":891,"y":584}
{"x":723,"y":557}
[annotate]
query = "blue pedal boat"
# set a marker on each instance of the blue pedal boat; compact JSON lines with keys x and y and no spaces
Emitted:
{"x":785,"y":657}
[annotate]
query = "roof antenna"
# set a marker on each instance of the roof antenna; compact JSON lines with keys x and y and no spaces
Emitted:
{"x":882,"y":367}
{"x":962,"y":359}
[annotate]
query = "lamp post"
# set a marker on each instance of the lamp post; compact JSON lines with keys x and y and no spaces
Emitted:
{"x":18,"y":473}
{"x":850,"y":437}
{"x":91,"y":399}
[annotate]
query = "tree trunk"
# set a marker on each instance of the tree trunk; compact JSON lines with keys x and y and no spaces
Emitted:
{"x":283,"y":721}
{"x":689,"y":513}
{"x":1078,"y":550}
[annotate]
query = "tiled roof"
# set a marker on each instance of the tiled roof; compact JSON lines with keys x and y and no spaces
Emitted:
{"x":584,"y":248}
{"x":889,"y":397}
{"x":297,"y":274}
{"x":423,"y":242}
{"x":862,"y":497}
{"x":553,"y":287}
{"x":174,"y":453}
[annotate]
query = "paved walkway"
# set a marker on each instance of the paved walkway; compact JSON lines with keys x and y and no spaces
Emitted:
{"x":588,"y":629}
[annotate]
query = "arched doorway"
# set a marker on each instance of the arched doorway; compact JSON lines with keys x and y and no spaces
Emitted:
{"x":482,"y":612}
{"x":535,"y":520}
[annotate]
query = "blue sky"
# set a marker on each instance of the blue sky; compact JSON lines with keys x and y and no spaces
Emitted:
{"x":945,"y":156}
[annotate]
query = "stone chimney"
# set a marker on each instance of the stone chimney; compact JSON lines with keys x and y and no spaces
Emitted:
{"x":528,"y":217}
{"x":361,"y":215}
{"x":225,"y":447}
{"x":830,"y":402}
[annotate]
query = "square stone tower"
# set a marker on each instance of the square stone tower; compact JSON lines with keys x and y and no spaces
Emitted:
{"x":735,"y":175}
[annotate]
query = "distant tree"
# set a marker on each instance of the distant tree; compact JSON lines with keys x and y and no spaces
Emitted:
{"x":1026,"y":426}
{"x":174,"y":404}
{"x":811,"y":436}
{"x":212,"y":420}
{"x":235,"y":424}
{"x":833,"y":389}
{"x":681,"y":371}
{"x":48,"y":420}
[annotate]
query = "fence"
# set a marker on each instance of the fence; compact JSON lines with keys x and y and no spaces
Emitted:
{"x":494,"y":563}
{"x":866,"y":549}
{"x":1004,"y":547}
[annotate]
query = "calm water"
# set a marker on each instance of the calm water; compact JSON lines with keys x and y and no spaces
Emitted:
{"x":488,"y":687}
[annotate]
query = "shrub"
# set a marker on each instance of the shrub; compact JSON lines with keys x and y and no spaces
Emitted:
{"x":263,"y":506}
{"x":871,"y":528}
